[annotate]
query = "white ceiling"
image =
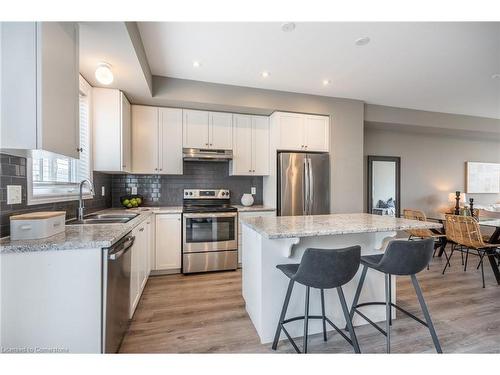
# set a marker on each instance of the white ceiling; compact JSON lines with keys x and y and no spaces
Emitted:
{"x":443,"y":67}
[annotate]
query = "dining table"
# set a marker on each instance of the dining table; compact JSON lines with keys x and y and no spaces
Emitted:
{"x":493,"y":254}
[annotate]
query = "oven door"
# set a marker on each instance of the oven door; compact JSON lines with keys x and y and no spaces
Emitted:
{"x":209,"y":232}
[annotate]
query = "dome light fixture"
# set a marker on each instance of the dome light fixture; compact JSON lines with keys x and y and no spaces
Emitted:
{"x":326,"y":82}
{"x":103,"y":73}
{"x":196,"y":64}
{"x":265,"y":74}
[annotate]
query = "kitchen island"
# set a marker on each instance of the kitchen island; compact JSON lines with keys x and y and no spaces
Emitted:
{"x":269,"y":241}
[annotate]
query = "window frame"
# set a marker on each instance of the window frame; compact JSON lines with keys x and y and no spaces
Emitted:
{"x":85,"y":89}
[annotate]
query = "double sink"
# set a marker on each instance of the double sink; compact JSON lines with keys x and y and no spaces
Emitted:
{"x":103,"y":219}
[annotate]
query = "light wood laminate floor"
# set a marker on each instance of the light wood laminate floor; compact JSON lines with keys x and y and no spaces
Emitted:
{"x":205,"y":313}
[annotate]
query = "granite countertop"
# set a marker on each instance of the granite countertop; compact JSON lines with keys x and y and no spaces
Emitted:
{"x":80,"y":236}
{"x":323,"y":225}
{"x":256,"y":208}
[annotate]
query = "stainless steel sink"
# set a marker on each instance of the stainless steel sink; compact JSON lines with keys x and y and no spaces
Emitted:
{"x":103,"y":219}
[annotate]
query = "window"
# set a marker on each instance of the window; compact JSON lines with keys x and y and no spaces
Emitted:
{"x":55,"y":177}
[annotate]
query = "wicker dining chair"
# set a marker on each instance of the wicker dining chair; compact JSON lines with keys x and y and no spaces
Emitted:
{"x":439,"y":238}
{"x":465,"y":234}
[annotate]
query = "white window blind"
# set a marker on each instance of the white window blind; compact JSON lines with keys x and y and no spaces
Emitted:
{"x":55,"y":177}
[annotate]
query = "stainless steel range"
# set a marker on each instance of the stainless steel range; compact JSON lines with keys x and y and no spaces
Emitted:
{"x":209,"y":231}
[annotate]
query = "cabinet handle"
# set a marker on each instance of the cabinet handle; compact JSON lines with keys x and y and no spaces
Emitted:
{"x":79,"y":149}
{"x":141,"y":230}
{"x":161,"y":169}
{"x":210,"y":144}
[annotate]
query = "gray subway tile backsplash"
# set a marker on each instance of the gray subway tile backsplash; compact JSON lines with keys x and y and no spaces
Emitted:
{"x":158,"y":190}
{"x":167,"y":190}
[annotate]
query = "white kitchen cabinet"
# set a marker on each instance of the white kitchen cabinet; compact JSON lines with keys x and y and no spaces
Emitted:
{"x":150,"y":224}
{"x":168,"y":242}
{"x":40,"y":102}
{"x":317,"y":133}
{"x":251,"y":145}
{"x":112,"y":146}
{"x":170,"y":138}
{"x":207,"y":130}
{"x":196,"y":129}
{"x":156,"y":140}
{"x":139,"y":264}
{"x":248,"y":214}
{"x":221,"y":130}
{"x":301,"y":132}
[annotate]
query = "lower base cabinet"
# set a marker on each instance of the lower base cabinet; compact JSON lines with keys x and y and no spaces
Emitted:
{"x":140,"y":264}
{"x":168,"y":242}
{"x":248,"y":214}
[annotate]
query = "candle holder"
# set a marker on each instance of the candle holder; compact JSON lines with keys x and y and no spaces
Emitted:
{"x":457,"y":204}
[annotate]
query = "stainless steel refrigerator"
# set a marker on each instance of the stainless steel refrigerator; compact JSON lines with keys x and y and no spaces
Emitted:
{"x":303,"y":184}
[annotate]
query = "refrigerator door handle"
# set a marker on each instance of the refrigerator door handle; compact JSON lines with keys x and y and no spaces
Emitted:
{"x":311,"y":186}
{"x":305,"y":189}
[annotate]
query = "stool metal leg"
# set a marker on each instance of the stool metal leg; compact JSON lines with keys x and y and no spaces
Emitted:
{"x":323,"y":313}
{"x":358,"y":292}
{"x":390,"y":299}
{"x":306,"y":319}
{"x":388,"y":312}
{"x":283,"y":314}
{"x":347,"y":317}
{"x":421,"y":300}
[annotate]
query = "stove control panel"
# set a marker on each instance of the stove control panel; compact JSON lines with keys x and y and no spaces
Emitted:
{"x":206,"y":194}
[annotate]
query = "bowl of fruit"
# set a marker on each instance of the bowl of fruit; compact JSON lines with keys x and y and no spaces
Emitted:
{"x":131,"y":201}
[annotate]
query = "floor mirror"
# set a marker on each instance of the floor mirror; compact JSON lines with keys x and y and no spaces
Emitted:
{"x":384,"y":185}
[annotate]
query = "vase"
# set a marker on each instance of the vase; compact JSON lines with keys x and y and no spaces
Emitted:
{"x":247,"y":200}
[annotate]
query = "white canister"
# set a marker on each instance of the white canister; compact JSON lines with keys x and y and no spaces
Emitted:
{"x":247,"y":199}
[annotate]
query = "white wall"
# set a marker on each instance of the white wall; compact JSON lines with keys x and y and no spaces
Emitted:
{"x":432,"y":165}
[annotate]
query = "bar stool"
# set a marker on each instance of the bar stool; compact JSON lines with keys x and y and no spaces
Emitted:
{"x":321,"y":269}
{"x":402,"y":258}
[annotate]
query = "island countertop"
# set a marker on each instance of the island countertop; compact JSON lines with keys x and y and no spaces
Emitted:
{"x":324,"y":225}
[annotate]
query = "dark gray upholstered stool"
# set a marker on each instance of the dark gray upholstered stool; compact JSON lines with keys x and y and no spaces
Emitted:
{"x":321,"y":269}
{"x":403,"y":258}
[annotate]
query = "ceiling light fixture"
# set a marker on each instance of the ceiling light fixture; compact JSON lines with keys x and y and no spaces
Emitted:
{"x":496,"y":76}
{"x":326,"y":82}
{"x":196,"y":64}
{"x":103,"y":73}
{"x":265,"y":74}
{"x":362,"y":41}
{"x":288,"y":27}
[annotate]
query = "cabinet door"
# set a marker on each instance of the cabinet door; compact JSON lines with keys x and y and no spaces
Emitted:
{"x":126,"y":129}
{"x":134,"y":273}
{"x":144,"y":139}
{"x":170,"y":147}
{"x":195,"y":129}
{"x":221,"y":131}
{"x":57,"y":86}
{"x":260,"y":145}
{"x":151,"y":243}
{"x":291,"y":130}
{"x":143,"y":256}
{"x":317,"y":132}
{"x":242,"y":153}
{"x":168,"y":241}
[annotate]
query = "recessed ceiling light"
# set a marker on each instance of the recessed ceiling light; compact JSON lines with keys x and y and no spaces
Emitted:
{"x":496,"y":76}
{"x":326,"y":82}
{"x":103,"y":73}
{"x":265,"y":74}
{"x":288,"y":27}
{"x":196,"y":64}
{"x":362,"y":41}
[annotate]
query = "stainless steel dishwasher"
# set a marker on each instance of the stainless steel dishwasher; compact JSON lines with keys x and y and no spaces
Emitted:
{"x":116,"y":293}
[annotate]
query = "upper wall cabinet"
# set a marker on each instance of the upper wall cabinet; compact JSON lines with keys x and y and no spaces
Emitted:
{"x":301,"y":132}
{"x":39,"y":87}
{"x":251,"y":145}
{"x":111,"y":131}
{"x":204,"y":129}
{"x":156,"y":140}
